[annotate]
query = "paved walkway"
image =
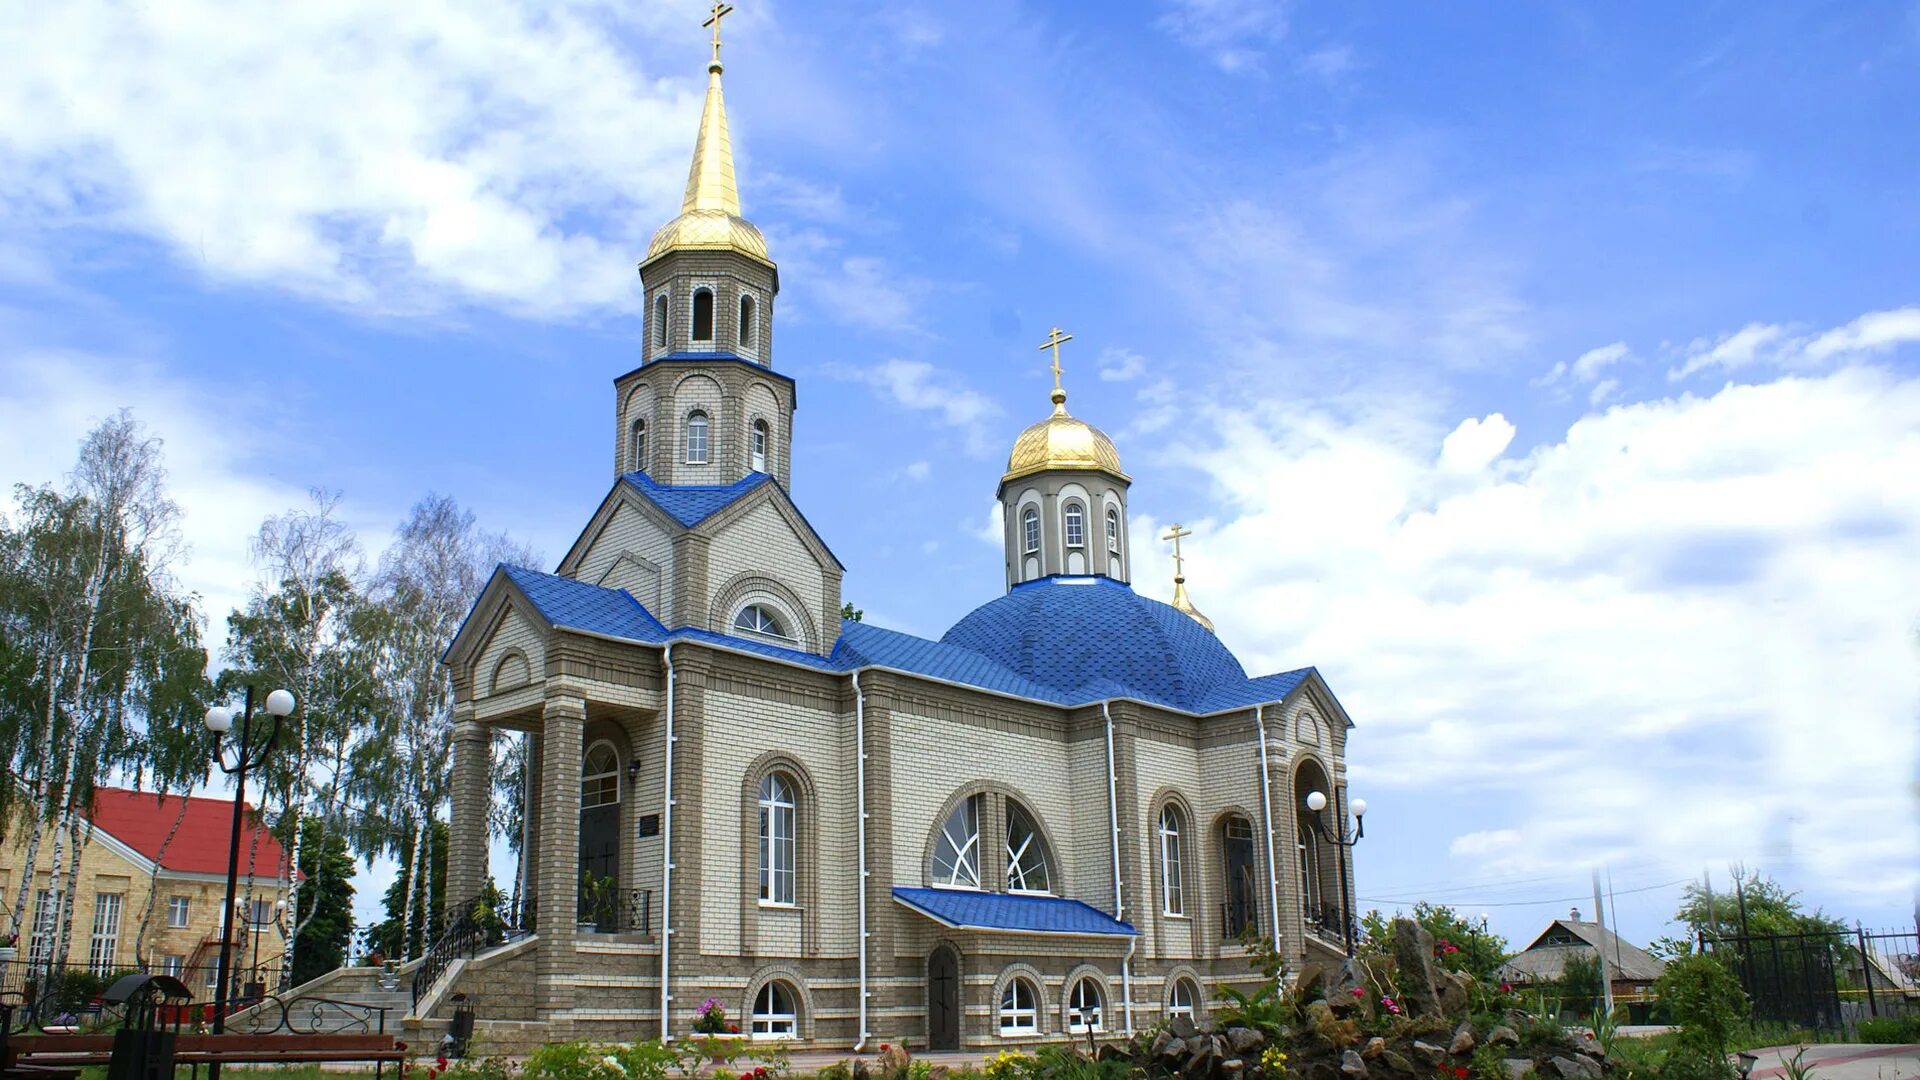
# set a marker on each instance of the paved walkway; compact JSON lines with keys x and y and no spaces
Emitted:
{"x":1843,"y":1061}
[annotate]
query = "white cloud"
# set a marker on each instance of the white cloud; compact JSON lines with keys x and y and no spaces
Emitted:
{"x":383,"y":156}
{"x":1787,"y":348}
{"x":918,"y":385}
{"x":918,"y":471}
{"x":1633,"y":642}
{"x":1234,"y":32}
{"x":1329,"y":62}
{"x":1475,"y":444}
{"x":990,"y":530}
{"x":1121,"y":365}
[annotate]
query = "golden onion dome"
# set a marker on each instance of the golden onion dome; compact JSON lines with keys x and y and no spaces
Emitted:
{"x":1062,"y":442}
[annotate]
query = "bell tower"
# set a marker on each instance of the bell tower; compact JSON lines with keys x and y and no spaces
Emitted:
{"x":705,"y":406}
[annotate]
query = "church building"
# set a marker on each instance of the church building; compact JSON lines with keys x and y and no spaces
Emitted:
{"x":1070,"y":813}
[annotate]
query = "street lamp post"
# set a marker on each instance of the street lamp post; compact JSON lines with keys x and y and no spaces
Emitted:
{"x":1342,"y":840}
{"x":250,"y":756}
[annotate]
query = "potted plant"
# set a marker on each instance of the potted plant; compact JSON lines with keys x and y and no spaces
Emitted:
{"x":710,"y":1020}
{"x":598,"y":905}
{"x":7,"y":943}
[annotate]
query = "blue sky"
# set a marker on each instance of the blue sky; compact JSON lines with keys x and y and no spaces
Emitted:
{"x":1548,"y":375}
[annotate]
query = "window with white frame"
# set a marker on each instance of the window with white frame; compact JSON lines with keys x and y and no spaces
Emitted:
{"x":1086,"y":1006}
{"x":1113,"y":530}
{"x":956,"y":852}
{"x":258,"y":914}
{"x":703,"y":314}
{"x":637,"y":446}
{"x":1182,"y":998}
{"x":178,"y":910}
{"x":1027,"y":869}
{"x":758,"y":620}
{"x":173,"y":964}
{"x":46,"y":916}
{"x":1020,"y":1008}
{"x":774,"y":1013}
{"x":760,"y":440}
{"x":748,"y":328}
{"x":1171,"y":900}
{"x":697,"y":437}
{"x":599,"y":776}
{"x":1076,"y":525}
{"x":660,"y":321}
{"x":777,"y":819}
{"x":106,"y":933}
{"x":1030,"y":530}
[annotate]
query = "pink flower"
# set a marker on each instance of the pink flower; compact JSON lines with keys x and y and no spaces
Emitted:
{"x":1359,"y":992}
{"x":1506,"y":988}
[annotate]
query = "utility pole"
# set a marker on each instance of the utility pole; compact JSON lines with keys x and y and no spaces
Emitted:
{"x":1600,"y":949}
{"x":1713,"y":915}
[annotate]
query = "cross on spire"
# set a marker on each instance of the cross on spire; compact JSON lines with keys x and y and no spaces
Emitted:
{"x":1179,"y":564}
{"x":1056,"y":338}
{"x":720,"y":11}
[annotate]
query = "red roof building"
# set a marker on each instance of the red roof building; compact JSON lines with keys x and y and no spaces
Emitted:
{"x":141,"y":820}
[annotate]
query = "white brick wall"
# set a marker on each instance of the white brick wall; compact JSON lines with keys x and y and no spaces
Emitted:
{"x":631,"y":530}
{"x":760,"y":541}
{"x":516,"y":631}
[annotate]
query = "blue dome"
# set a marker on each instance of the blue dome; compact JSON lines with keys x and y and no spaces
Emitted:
{"x":1090,"y":638}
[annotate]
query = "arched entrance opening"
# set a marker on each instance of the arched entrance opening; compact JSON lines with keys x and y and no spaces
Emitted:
{"x":600,"y":834}
{"x":943,"y":998}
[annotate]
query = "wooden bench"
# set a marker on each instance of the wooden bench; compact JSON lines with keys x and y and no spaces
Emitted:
{"x":60,"y":1057}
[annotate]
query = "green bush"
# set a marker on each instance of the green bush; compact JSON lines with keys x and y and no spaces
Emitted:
{"x":572,"y":1061}
{"x":1706,"y":1001}
{"x":1888,"y":1030}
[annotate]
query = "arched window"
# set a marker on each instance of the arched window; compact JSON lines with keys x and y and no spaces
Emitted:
{"x":1076,"y":525}
{"x":1086,"y":1007}
{"x":1020,"y":1008}
{"x":761,"y":436}
{"x":1027,"y":869}
{"x":660,"y":321}
{"x":1113,"y":530}
{"x":758,"y":620}
{"x":696,"y":438}
{"x":774,"y":1014}
{"x":599,"y":776}
{"x":777,"y":815}
{"x":1030,"y":530}
{"x":748,"y":328}
{"x":956,"y":853}
{"x":637,"y":445}
{"x":703,"y":314}
{"x":1182,"y":998}
{"x":1171,"y":900}
{"x":1236,"y":850}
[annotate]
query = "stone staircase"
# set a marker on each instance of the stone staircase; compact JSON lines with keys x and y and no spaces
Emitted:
{"x":340,"y":1000}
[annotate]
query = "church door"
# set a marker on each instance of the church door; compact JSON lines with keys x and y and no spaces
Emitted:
{"x":600,"y":835}
{"x":943,"y":999}
{"x":1237,"y":847}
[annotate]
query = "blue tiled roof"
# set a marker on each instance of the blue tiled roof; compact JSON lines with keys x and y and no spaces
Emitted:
{"x":690,"y":504}
{"x":1009,"y":913}
{"x":580,"y":606}
{"x":710,"y":357}
{"x":1084,"y":637}
{"x":1050,"y":641}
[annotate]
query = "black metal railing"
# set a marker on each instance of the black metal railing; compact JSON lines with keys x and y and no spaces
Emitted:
{"x":474,"y":925}
{"x":611,"y":912}
{"x":309,"y":1015}
{"x":1331,"y":923}
{"x":1239,"y":918}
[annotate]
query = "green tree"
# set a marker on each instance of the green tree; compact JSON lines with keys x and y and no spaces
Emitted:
{"x":418,"y":910}
{"x":1769,"y":908}
{"x":851,"y":613}
{"x":1705,"y":999}
{"x":1476,"y":950}
{"x":325,"y":912}
{"x":1579,"y":984}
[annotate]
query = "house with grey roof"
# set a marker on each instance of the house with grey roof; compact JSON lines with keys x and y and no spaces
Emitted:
{"x":1631,"y":969}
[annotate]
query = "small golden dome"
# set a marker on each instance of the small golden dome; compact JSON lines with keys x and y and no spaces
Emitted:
{"x":1062,"y":442}
{"x":1184,"y":605}
{"x":708,"y":230}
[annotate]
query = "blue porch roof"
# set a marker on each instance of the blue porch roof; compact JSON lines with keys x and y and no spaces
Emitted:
{"x":690,"y":504}
{"x":1011,"y":914}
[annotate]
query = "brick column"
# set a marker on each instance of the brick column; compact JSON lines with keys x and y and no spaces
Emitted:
{"x":467,"y":833}
{"x":558,"y":871}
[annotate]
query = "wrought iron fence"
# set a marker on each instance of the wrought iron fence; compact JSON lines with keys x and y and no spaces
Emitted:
{"x":1331,"y":922}
{"x":474,"y":925}
{"x":1824,"y":980}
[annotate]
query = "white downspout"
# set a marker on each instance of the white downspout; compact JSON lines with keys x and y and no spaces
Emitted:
{"x":1266,"y":802}
{"x":860,"y":827}
{"x":666,"y":868}
{"x":1119,"y":896}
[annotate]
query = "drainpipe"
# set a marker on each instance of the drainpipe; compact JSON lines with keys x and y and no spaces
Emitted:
{"x":1119,"y":901}
{"x":860,"y":827}
{"x":666,"y":867}
{"x":1266,"y":802}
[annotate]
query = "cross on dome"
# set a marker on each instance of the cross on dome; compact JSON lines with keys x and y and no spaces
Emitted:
{"x":720,"y":11}
{"x":1055,"y":339}
{"x":1179,"y":562}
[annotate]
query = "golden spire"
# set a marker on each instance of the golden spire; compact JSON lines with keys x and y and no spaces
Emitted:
{"x":710,"y":212}
{"x":1180,"y":601}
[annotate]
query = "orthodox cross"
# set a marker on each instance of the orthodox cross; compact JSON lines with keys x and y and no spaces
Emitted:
{"x":720,"y":11}
{"x":1054,"y":340}
{"x":1174,"y":534}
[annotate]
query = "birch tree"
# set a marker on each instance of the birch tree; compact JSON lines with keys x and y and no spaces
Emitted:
{"x":113,"y":664}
